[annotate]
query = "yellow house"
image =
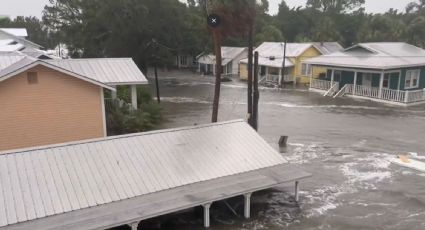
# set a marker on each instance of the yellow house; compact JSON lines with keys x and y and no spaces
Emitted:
{"x":271,"y":61}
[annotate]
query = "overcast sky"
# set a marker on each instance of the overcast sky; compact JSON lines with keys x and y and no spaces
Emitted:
{"x":14,"y":8}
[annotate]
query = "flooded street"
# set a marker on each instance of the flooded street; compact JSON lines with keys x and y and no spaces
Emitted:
{"x":346,"y":144}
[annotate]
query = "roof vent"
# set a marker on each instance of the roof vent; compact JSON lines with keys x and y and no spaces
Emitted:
{"x":32,"y":78}
{"x":272,"y":58}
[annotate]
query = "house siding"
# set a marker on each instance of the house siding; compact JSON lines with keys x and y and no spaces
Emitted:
{"x":421,"y":78}
{"x":309,"y":53}
{"x":59,"y":108}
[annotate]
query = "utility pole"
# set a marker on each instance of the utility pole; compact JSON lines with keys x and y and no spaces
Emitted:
{"x":282,"y":80}
{"x":214,"y":23}
{"x":256,"y":93}
{"x":250,"y":72}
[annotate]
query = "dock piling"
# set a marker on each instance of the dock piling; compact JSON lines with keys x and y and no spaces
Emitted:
{"x":297,"y":198}
{"x":247,"y":205}
{"x":207,"y":215}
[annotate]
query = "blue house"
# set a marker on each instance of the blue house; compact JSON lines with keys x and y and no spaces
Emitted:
{"x":386,"y":72}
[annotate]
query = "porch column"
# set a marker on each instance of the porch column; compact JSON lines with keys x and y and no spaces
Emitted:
{"x":311,"y":74}
{"x":134,"y":225}
{"x":381,"y":84}
{"x":247,"y":205}
{"x":207,"y":215}
{"x":332,"y":77}
{"x":114,"y":93}
{"x":134,"y":96}
{"x":355,"y":83}
{"x":280,"y":76}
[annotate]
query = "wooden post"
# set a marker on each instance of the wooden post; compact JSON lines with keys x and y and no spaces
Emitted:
{"x":256,"y":94}
{"x":355,"y":83}
{"x":207,"y":215}
{"x":381,"y":84}
{"x":283,"y":66}
{"x":134,"y":96}
{"x":247,"y":205}
{"x":332,"y":77}
{"x":297,"y":198}
{"x":158,"y":97}
{"x":250,"y":73}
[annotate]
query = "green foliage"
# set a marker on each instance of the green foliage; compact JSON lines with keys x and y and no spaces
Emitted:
{"x":122,"y":119}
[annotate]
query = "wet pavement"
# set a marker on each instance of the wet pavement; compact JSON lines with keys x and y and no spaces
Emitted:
{"x":346,"y":144}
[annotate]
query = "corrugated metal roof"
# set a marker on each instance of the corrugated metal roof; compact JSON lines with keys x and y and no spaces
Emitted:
{"x":228,"y":54}
{"x":7,"y":59}
{"x":19,"y":32}
{"x":328,"y":47}
{"x":275,"y":49}
{"x":111,"y":71}
{"x":276,"y":62}
{"x":380,"y":56}
{"x":51,"y":180}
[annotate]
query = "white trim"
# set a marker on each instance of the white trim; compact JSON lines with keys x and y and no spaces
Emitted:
{"x":418,"y":79}
{"x":51,"y":66}
{"x":365,"y":68}
{"x":102,"y":102}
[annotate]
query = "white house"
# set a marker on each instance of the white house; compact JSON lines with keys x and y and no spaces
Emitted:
{"x":230,"y":60}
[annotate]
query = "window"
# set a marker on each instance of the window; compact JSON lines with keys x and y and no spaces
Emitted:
{"x":386,"y":82}
{"x":412,"y":79}
{"x":305,"y":69}
{"x":32,"y":78}
{"x":183,"y":60}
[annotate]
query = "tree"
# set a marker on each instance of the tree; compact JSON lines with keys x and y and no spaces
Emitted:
{"x":335,"y":6}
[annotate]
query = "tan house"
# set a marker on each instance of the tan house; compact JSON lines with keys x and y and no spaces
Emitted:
{"x":60,"y":100}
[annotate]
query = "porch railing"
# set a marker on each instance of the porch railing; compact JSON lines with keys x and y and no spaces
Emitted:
{"x":415,"y":96}
{"x":320,"y":84}
{"x":386,"y":94}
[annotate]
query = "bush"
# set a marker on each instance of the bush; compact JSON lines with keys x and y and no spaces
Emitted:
{"x":121,"y":118}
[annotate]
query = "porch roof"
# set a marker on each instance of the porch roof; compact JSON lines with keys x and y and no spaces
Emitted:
{"x":374,"y":56}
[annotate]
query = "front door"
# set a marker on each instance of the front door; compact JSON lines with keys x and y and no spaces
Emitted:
{"x":367,"y":79}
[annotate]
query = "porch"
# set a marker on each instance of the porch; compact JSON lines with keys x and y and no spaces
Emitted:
{"x":383,"y":86}
{"x":274,"y":76}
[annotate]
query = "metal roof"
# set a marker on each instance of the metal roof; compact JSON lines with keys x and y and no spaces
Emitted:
{"x":7,"y":59}
{"x":19,"y":32}
{"x":328,"y":47}
{"x":7,"y":35}
{"x":52,"y":180}
{"x":380,"y":56}
{"x":274,"y":62}
{"x":111,"y":71}
{"x":228,"y":54}
{"x":107,"y":71}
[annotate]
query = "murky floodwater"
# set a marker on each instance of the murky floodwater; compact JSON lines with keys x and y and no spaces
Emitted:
{"x":345,"y":144}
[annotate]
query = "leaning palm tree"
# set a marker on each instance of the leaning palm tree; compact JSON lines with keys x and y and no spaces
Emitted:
{"x":236,"y":20}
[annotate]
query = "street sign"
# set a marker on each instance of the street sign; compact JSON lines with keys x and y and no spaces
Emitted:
{"x":213,"y":20}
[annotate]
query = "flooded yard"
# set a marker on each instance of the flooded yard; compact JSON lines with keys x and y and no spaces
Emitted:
{"x":346,"y":145}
